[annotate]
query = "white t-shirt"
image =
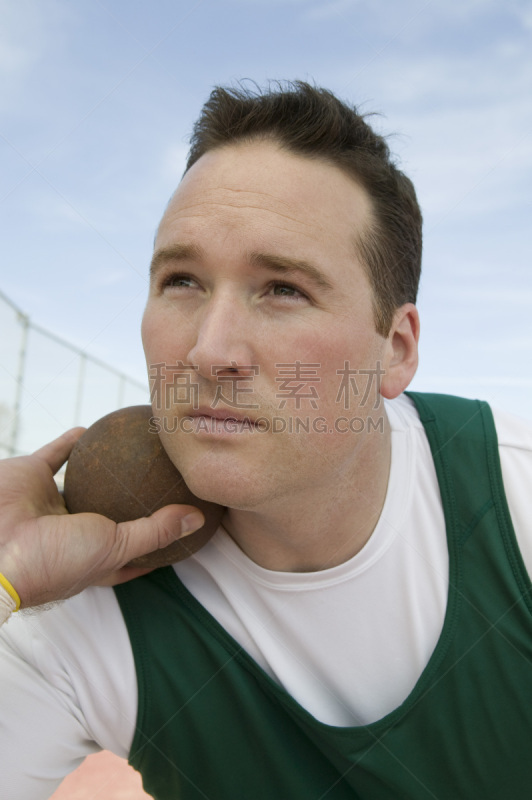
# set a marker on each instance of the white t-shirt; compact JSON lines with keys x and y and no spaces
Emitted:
{"x":348,"y":643}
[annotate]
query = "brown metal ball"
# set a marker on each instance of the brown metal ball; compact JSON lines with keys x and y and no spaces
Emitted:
{"x":120,"y":469}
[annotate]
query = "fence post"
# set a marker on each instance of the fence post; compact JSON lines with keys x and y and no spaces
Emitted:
{"x":25,"y":322}
{"x":81,"y":384}
{"x":15,"y":431}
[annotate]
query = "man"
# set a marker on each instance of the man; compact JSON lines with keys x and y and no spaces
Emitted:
{"x":360,"y":625}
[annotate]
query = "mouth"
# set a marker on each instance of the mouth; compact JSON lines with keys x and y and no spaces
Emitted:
{"x":220,"y":421}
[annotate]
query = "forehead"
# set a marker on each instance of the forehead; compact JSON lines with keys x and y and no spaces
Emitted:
{"x":259,"y":189}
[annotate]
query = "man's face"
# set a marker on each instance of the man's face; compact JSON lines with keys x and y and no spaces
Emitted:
{"x":257,"y":290}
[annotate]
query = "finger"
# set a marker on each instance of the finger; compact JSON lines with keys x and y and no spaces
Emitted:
{"x":55,"y":453}
{"x":162,"y":528}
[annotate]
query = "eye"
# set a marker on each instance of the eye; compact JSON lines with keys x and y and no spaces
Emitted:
{"x":283,"y":289}
{"x":178,"y":281}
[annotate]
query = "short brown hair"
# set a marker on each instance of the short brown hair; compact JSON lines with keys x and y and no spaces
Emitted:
{"x":311,"y":121}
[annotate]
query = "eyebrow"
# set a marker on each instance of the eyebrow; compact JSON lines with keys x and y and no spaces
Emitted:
{"x":285,"y":265}
{"x":175,"y":252}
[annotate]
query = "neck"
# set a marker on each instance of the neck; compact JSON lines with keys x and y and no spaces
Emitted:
{"x":320,"y":530}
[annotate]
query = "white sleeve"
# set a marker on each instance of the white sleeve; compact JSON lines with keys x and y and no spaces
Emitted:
{"x":515,"y":449}
{"x":67,"y":689}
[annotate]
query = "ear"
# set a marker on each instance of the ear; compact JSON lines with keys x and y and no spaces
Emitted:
{"x":402,"y":351}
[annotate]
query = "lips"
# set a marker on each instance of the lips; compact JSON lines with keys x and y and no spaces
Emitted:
{"x":219,"y":421}
{"x":221,"y":414}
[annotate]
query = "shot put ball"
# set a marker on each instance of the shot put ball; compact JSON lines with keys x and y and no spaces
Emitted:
{"x":120,"y":469}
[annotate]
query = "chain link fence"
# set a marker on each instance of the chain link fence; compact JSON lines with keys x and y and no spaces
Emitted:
{"x":48,"y":385}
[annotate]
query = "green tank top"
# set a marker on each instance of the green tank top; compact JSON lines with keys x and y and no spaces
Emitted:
{"x":211,"y":723}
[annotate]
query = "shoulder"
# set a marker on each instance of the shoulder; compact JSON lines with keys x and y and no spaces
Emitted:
{"x":514,"y":437}
{"x":78,"y":652}
{"x":402,"y":414}
{"x":515,"y":451}
{"x":68,"y":629}
{"x":514,"y":434}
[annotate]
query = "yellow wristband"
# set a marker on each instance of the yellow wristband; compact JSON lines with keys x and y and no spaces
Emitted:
{"x":10,"y":590}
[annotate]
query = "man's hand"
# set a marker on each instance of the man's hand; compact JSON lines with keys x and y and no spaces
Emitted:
{"x":48,"y":554}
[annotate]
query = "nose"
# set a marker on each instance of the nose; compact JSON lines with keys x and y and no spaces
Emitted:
{"x":223,"y":339}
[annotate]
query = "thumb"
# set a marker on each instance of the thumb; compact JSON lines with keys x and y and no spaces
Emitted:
{"x":161,"y":529}
{"x":55,"y":453}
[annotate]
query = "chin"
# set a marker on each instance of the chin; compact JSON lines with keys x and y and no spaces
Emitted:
{"x":231,"y":493}
{"x":231,"y":477}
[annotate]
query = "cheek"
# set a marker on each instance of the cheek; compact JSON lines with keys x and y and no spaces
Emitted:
{"x":356,"y":343}
{"x":162,"y":338}
{"x":348,"y":360}
{"x":148,"y":331}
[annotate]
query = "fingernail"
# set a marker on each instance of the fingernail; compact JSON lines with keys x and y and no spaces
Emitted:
{"x":191,"y":523}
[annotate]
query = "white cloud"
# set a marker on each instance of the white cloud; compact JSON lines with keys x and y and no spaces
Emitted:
{"x":524,"y":14}
{"x":14,"y":57}
{"x":329,"y":10}
{"x":464,"y":123}
{"x":389,"y":18}
{"x":29,"y":29}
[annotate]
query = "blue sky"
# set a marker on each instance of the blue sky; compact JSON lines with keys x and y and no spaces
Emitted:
{"x":97,"y":99}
